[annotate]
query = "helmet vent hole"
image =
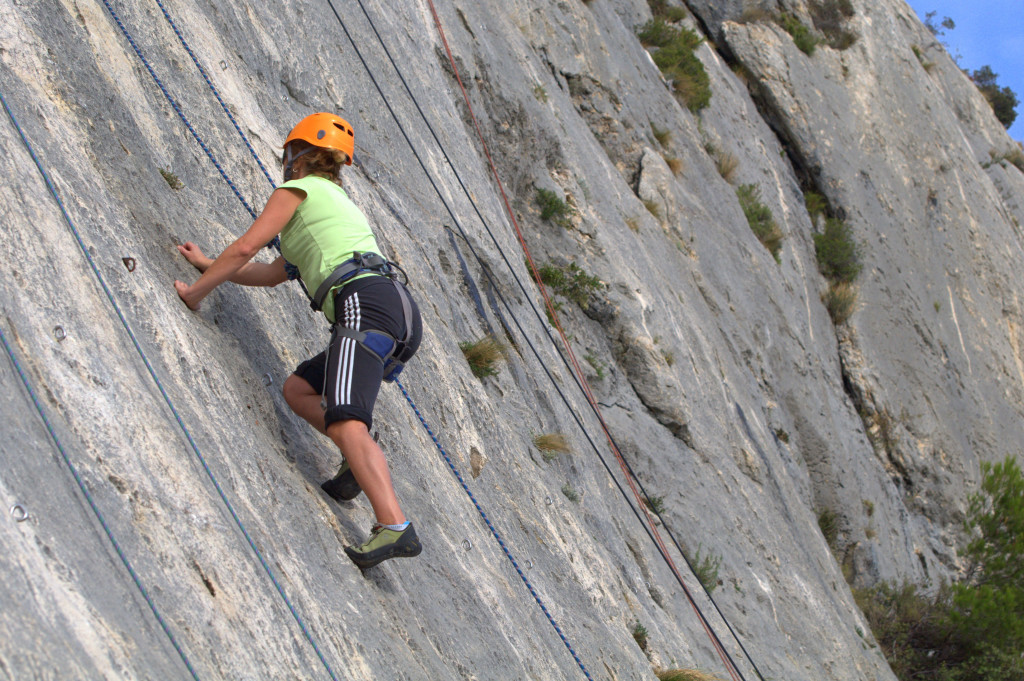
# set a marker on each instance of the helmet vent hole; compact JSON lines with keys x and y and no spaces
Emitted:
{"x":320,"y":134}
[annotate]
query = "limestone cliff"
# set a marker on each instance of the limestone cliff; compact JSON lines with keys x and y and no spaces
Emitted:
{"x":730,"y":391}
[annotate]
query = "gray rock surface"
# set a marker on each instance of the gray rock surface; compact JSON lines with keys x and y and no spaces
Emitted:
{"x":718,"y":370}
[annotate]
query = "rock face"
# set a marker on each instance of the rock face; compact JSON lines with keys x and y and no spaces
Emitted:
{"x":730,"y":392}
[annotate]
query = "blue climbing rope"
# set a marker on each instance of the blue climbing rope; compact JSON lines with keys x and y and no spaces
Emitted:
{"x":160,"y":387}
{"x":177,"y":109}
{"x":216,"y":93}
{"x":490,"y":526}
{"x":91,"y":501}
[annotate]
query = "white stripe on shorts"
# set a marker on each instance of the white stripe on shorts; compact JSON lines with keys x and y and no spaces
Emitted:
{"x":347,"y":353}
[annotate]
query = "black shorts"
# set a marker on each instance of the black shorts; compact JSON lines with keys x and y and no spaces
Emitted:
{"x":347,"y":374}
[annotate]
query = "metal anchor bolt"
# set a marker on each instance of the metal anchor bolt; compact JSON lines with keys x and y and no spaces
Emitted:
{"x":19,"y":513}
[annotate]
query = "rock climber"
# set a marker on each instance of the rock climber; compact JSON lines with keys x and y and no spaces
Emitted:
{"x":376,"y":325}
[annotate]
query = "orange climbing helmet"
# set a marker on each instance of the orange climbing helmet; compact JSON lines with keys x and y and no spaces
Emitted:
{"x":324,"y":131}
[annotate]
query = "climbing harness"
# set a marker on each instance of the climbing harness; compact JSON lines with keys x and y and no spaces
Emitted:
{"x":392,"y":352}
{"x":145,"y":358}
{"x":359,"y":263}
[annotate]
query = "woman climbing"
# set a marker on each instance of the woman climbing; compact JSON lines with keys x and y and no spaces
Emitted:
{"x":375,"y":323}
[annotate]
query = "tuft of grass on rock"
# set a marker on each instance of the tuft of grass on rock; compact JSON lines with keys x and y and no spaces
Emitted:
{"x":828,"y":523}
{"x":817,"y":205}
{"x":570,"y":493}
{"x":662,"y":10}
{"x":551,"y":445}
{"x":840,"y":300}
{"x":483,"y":355}
{"x":663,"y":135}
{"x":830,"y":17}
{"x":656,"y":504}
{"x":653,"y":207}
{"x":171,"y":179}
{"x":684,"y":675}
{"x":927,"y":65}
{"x":759,"y":217}
{"x":640,"y":635}
{"x":727,"y":165}
{"x":552,"y":207}
{"x":706,"y":569}
{"x":596,"y":364}
{"x":1015,"y":157}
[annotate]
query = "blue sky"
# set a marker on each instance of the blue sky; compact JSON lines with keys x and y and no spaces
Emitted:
{"x":987,"y":32}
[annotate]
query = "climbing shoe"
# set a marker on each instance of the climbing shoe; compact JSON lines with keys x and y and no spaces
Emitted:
{"x":384,"y":544}
{"x":343,"y":486}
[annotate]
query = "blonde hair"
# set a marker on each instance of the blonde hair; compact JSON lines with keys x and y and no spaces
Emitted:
{"x":327,"y":161}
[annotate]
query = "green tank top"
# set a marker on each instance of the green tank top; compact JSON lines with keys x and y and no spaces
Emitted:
{"x":326,"y":229}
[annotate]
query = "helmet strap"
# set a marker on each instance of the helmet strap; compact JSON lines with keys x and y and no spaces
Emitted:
{"x":290,"y":157}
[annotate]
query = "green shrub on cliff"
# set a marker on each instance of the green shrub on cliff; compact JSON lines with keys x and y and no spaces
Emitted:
{"x":838,"y":254}
{"x":570,"y":281}
{"x":990,"y":601}
{"x":839,"y":260}
{"x":552,"y":207}
{"x":1003,"y":100}
{"x":974,"y":629}
{"x":803,"y":37}
{"x":677,"y":59}
{"x":760,"y":219}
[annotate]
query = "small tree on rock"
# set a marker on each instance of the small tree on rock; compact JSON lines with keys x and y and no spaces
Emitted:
{"x":990,"y":602}
{"x":1003,"y":100}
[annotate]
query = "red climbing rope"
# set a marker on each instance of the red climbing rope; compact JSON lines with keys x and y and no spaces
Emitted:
{"x":730,"y":665}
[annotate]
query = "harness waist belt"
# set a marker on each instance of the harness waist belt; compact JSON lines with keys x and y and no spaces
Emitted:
{"x":357,"y":264}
